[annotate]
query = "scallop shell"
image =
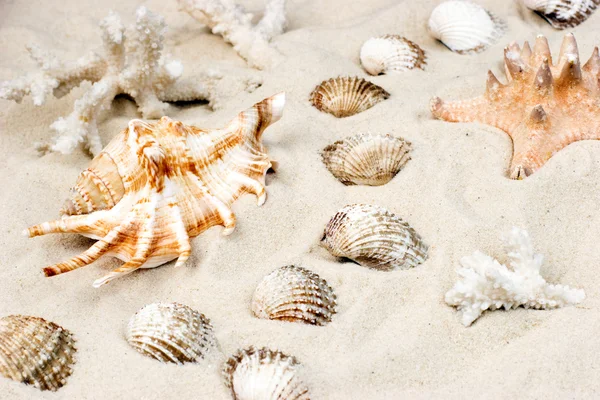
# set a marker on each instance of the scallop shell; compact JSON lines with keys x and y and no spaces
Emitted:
{"x":345,"y":96}
{"x":374,"y":237}
{"x":263,"y":374}
{"x":465,"y":27}
{"x":563,"y":14}
{"x":383,"y":54}
{"x":294,"y":294}
{"x":35,"y":351}
{"x":171,"y":333}
{"x":366,"y":159}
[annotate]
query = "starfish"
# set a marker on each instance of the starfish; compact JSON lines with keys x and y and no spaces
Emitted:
{"x":543,"y":108}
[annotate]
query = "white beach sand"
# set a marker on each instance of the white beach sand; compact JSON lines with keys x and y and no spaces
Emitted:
{"x":393,"y":336}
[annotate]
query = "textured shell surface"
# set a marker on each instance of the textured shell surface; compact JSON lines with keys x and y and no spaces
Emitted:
{"x":346,"y":96}
{"x":391,"y":53}
{"x":294,"y":294}
{"x":563,"y":14}
{"x":374,"y":237}
{"x":366,"y":159}
{"x":465,"y":27}
{"x":158,"y":184}
{"x":544,"y":107}
{"x":35,"y":351}
{"x":263,"y":374}
{"x":171,"y":332}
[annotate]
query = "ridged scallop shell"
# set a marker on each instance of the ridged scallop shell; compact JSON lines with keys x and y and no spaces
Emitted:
{"x":465,"y":27}
{"x":263,"y":374}
{"x":35,"y":351}
{"x":366,"y":159}
{"x":345,"y":96}
{"x":563,"y":14}
{"x":374,"y":237}
{"x":390,"y":53}
{"x":294,"y":294}
{"x":171,"y":333}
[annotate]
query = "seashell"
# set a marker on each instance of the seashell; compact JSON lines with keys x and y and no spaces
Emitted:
{"x":294,"y":294}
{"x":390,"y":53}
{"x":345,"y":96}
{"x":263,"y":374}
{"x":171,"y":333}
{"x":373,"y":237}
{"x":35,"y":351}
{"x":563,"y":14}
{"x":366,"y":159}
{"x":158,"y":184}
{"x":465,"y":27}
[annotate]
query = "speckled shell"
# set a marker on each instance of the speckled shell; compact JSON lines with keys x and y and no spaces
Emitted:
{"x":294,"y":294}
{"x":465,"y":27}
{"x":345,"y":96}
{"x":563,"y":14}
{"x":366,"y":159}
{"x":391,"y":53}
{"x":35,"y":351}
{"x":374,"y":237}
{"x":172,"y":333}
{"x":263,"y":374}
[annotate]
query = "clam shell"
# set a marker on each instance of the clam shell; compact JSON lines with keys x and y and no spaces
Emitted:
{"x":294,"y":294}
{"x":390,"y":53}
{"x":171,"y":333}
{"x":345,"y":96}
{"x":563,"y":14}
{"x":374,"y":237}
{"x":263,"y":374}
{"x":465,"y":27}
{"x":35,"y":351}
{"x":366,"y":159}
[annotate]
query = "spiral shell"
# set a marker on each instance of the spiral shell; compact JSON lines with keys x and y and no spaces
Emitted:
{"x":390,"y":53}
{"x":294,"y":294}
{"x":263,"y":374}
{"x":35,"y":351}
{"x":366,"y":159}
{"x":563,"y":14}
{"x":345,"y":96}
{"x":171,"y":333}
{"x":374,"y":237}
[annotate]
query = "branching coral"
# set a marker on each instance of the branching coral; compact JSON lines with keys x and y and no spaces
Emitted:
{"x":487,"y":284}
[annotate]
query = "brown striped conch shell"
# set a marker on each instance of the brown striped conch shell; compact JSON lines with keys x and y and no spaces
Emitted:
{"x":563,"y":14}
{"x":391,"y":53}
{"x":159,"y":184}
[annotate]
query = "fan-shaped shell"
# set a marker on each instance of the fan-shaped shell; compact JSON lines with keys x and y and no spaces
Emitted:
{"x":171,"y":333}
{"x":383,"y":54}
{"x":345,"y":96}
{"x":374,"y":237}
{"x":563,"y":14}
{"x":294,"y":294}
{"x":366,"y":159}
{"x":465,"y":27}
{"x":35,"y":351}
{"x":263,"y":374}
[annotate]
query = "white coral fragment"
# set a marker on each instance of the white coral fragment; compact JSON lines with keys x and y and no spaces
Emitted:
{"x":487,"y":284}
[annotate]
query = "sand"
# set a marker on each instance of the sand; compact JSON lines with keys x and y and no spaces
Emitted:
{"x":394,"y":336}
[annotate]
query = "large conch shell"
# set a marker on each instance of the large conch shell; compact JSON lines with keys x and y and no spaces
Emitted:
{"x":158,"y":184}
{"x":563,"y":14}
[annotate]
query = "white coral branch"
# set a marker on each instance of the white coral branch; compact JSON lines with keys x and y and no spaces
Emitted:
{"x":487,"y":284}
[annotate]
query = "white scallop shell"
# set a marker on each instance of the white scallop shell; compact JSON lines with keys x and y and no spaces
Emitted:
{"x":465,"y":27}
{"x":171,"y":333}
{"x":294,"y":294}
{"x":374,"y":237}
{"x":390,"y":53}
{"x":563,"y":14}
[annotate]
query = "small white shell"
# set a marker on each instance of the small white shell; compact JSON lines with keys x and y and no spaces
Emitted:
{"x":563,"y":14}
{"x":366,"y":159}
{"x":171,"y":333}
{"x":263,"y":374}
{"x":294,"y":294}
{"x":465,"y":27}
{"x":373,"y":237}
{"x":390,"y":53}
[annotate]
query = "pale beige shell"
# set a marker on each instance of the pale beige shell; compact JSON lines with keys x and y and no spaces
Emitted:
{"x":366,"y":159}
{"x":171,"y":332}
{"x":263,"y":374}
{"x":294,"y":294}
{"x":35,"y":351}
{"x":563,"y":14}
{"x":346,"y":96}
{"x":374,"y":237}
{"x":391,"y":53}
